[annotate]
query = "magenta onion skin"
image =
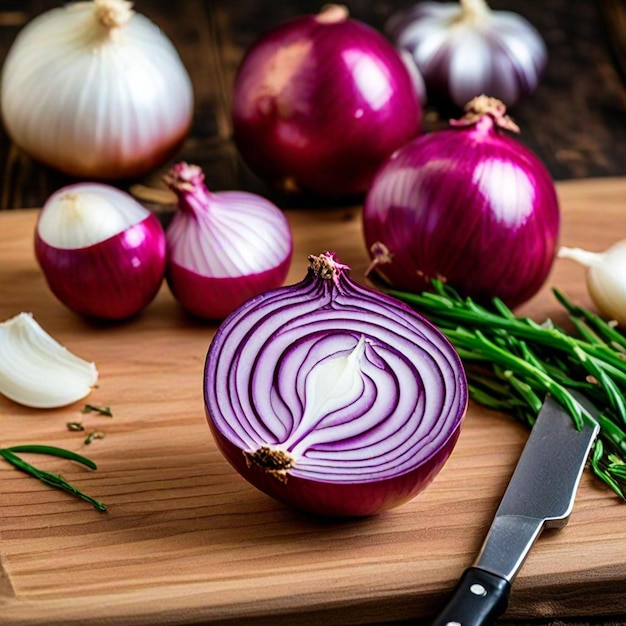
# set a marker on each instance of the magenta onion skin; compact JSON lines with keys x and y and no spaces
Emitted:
{"x":222,"y":247}
{"x":332,"y":397}
{"x":113,"y":279}
{"x":214,"y":298}
{"x":469,"y":205}
{"x":319,"y":103}
{"x":91,"y":284}
{"x":339,"y":500}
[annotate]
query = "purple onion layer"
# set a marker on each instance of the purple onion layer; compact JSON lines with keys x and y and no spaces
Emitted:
{"x":333,"y":397}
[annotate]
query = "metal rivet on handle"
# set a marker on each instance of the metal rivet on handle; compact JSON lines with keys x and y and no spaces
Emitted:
{"x":478,"y":590}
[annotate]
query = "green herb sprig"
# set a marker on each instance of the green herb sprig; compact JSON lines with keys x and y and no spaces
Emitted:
{"x":102,"y":410}
{"x":54,"y":480}
{"x":512,"y":362}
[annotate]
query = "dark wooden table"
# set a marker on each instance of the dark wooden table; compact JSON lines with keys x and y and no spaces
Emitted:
{"x":575,"y":122}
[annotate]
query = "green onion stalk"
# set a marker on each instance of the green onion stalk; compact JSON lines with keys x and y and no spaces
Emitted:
{"x":11,"y":455}
{"x":513,"y":362}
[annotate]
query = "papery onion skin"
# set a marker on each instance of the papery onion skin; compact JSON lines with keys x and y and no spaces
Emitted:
{"x":122,"y":105}
{"x":223,"y":247}
{"x":320,"y":101}
{"x":113,"y":279}
{"x":469,"y":205}
{"x":272,"y":403}
{"x":465,"y":49}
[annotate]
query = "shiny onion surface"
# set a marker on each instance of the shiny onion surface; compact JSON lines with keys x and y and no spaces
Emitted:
{"x":320,"y":101}
{"x":469,"y":205}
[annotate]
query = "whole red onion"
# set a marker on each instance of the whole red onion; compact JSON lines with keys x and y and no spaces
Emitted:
{"x":222,"y":247}
{"x":321,"y":101}
{"x":332,"y":397}
{"x":101,"y":252}
{"x":469,"y":205}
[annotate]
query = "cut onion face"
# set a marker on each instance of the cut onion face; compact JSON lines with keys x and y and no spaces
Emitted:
{"x":332,"y":397}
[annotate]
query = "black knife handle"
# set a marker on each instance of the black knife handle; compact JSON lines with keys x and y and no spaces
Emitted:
{"x":478,"y":600}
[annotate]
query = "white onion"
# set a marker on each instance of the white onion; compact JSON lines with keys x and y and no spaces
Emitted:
{"x":465,"y":49}
{"x":605,"y":277}
{"x":36,"y":370}
{"x":96,"y":91}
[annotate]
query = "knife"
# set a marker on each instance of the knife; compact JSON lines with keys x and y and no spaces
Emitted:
{"x":540,"y":495}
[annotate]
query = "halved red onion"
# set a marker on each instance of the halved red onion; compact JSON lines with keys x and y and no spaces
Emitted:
{"x":102,"y":253}
{"x":320,"y":101}
{"x":333,"y":397}
{"x":223,"y":247}
{"x":469,"y":205}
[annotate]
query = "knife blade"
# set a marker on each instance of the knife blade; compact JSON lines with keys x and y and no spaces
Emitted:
{"x":540,"y":495}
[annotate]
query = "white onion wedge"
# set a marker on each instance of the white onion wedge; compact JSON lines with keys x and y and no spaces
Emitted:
{"x":36,"y":370}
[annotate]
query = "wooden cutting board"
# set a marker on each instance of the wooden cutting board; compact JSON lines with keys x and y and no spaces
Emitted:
{"x":187,"y":541}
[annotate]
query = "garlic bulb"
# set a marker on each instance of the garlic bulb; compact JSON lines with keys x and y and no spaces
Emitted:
{"x":465,"y":49}
{"x":36,"y":370}
{"x":96,"y":90}
{"x":605,"y":277}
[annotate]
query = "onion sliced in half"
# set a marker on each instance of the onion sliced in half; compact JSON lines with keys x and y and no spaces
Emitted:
{"x":36,"y":370}
{"x":333,"y":397}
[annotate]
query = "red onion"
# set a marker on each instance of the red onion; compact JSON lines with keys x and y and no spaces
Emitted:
{"x":223,"y":247}
{"x":469,"y":205}
{"x":101,"y":252}
{"x":320,"y":102}
{"x":464,"y":49}
{"x":333,"y":397}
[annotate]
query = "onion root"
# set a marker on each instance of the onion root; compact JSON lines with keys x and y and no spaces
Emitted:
{"x":272,"y":461}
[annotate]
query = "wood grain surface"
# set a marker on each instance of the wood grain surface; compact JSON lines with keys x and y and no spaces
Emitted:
{"x":187,"y":541}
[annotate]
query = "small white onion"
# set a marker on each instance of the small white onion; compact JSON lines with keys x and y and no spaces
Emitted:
{"x":605,"y":277}
{"x":36,"y":370}
{"x":465,"y":49}
{"x":102,"y":253}
{"x":96,"y":91}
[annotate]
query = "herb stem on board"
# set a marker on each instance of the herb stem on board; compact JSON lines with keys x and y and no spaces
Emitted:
{"x":102,"y":410}
{"x":11,"y":455}
{"x":513,"y":362}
